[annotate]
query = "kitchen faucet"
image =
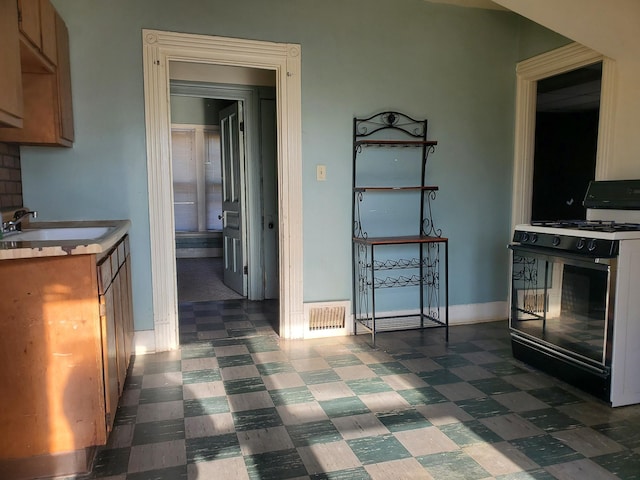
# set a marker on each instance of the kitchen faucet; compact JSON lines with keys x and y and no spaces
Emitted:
{"x":15,"y":225}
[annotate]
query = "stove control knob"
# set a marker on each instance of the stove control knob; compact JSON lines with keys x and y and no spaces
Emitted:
{"x":556,"y":241}
{"x":581,"y":243}
{"x":592,"y":245}
{"x":534,"y":237}
{"x":525,"y":237}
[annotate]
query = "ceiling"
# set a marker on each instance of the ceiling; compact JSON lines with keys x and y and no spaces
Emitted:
{"x":570,"y":92}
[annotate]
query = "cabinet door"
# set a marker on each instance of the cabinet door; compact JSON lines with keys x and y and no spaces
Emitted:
{"x":63,"y":78}
{"x":52,"y":396}
{"x":120,"y":335}
{"x":109,"y":356}
{"x":30,"y":21}
{"x":11,"y":110}
{"x":127,"y":304}
{"x":48,"y":31}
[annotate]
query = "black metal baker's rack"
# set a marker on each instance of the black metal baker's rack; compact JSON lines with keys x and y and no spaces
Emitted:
{"x":391,"y":129}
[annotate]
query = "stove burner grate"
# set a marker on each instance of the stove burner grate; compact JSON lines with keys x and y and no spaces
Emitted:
{"x":589,"y":225}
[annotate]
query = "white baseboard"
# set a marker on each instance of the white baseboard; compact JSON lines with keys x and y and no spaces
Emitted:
{"x":144,"y":341}
{"x":478,"y":313}
{"x":463,"y":314}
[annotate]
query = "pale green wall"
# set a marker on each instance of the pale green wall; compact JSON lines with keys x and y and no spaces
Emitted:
{"x":450,"y":64}
{"x":188,"y":110}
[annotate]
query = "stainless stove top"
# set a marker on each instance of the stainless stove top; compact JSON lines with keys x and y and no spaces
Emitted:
{"x":607,"y":226}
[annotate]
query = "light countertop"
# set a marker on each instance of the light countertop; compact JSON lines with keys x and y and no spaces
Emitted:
{"x":10,"y":249}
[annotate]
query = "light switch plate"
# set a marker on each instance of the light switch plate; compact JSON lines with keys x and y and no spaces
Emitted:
{"x":321,"y":173}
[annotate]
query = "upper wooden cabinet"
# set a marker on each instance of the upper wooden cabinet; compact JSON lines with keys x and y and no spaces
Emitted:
{"x":36,"y":19}
{"x":47,"y":113}
{"x":11,"y":110}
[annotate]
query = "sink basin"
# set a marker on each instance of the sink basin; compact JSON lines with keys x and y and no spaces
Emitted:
{"x":53,"y":234}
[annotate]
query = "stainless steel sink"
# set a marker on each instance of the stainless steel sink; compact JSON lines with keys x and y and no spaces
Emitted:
{"x":54,"y":234}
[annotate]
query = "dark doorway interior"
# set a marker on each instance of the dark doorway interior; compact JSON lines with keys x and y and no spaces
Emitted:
{"x":567,"y":116}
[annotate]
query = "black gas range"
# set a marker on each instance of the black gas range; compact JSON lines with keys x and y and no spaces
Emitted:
{"x":575,"y":303}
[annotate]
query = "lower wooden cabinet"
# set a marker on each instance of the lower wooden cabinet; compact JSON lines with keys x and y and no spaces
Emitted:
{"x":67,"y":328}
{"x":114,"y":290}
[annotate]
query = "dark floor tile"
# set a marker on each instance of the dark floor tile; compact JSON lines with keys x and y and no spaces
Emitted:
{"x":171,"y":473}
{"x":422,"y":396}
{"x":546,"y":450}
{"x":205,"y":406}
{"x":243,"y":385}
{"x":625,"y":464}
{"x":550,"y":420}
{"x":254,"y":419}
{"x":364,"y":386}
{"x":470,"y":433}
{"x":343,"y":407}
{"x":538,"y":474}
{"x":482,"y":407}
{"x":278,"y":465}
{"x":290,"y":396}
{"x":358,"y":473}
{"x":162,"y":394}
{"x":241,"y":332}
{"x":440,"y":376}
{"x":399,"y":421}
{"x":272,"y":368}
{"x":201,"y":376}
{"x":159,"y":431}
{"x":111,"y":462}
{"x":201,"y":350}
{"x":235,"y":361}
{"x":452,"y":466}
{"x":162,"y":367}
{"x":389,"y":368}
{"x":623,"y":432}
{"x":262,"y":343}
{"x":226,"y":342}
{"x":381,"y":448}
{"x":502,"y":369}
{"x":313,"y":432}
{"x":209,"y":326}
{"x":493,"y":386}
{"x":204,"y":449}
{"x":555,"y":396}
{"x":345,"y":360}
{"x":464,"y":348}
{"x":125,"y":415}
{"x":133,"y":382}
{"x":451,"y":361}
{"x":319,"y":376}
{"x":410,"y":355}
{"x":187,"y":338}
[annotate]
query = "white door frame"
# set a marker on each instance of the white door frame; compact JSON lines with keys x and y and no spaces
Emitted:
{"x":528,"y":73}
{"x":160,"y":48}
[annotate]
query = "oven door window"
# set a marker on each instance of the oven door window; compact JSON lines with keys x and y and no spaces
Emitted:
{"x":562,"y":302}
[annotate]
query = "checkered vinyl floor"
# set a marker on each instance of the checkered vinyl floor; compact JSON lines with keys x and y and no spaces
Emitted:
{"x":237,"y":402}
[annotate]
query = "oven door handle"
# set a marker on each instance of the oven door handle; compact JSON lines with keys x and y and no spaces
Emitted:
{"x":548,"y":253}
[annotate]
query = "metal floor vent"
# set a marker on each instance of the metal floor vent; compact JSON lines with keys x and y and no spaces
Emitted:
{"x":325,"y":318}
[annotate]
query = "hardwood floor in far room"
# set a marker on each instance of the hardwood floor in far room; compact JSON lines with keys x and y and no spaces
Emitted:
{"x":201,"y":280}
